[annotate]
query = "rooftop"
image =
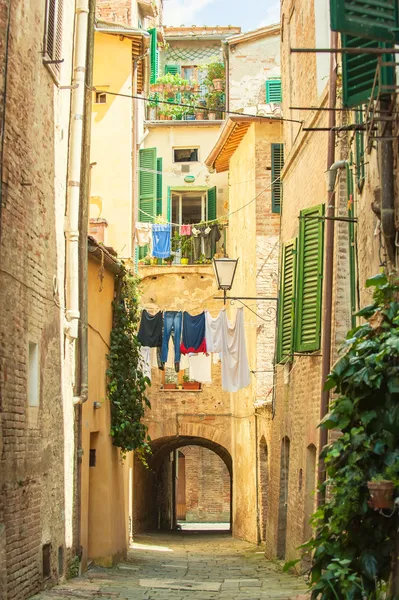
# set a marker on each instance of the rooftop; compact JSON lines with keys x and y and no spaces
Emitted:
{"x":255,"y":34}
{"x":218,"y":32}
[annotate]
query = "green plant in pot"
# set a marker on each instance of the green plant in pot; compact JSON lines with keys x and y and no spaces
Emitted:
{"x":217,"y":75}
{"x":381,"y":490}
{"x":215,"y":104}
{"x":190,"y":385}
{"x":185,"y":247}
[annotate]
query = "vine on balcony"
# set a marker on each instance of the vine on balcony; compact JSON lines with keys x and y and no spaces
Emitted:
{"x":126,"y":384}
{"x":353,"y":544}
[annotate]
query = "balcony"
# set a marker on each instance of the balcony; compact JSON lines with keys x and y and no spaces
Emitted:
{"x":148,"y":8}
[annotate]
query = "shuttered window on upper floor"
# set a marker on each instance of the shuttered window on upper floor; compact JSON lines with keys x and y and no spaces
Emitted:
{"x":212,"y":201}
{"x":359,"y":142}
{"x":285,"y":337}
{"x":172,"y":69}
{"x":147,"y":185}
{"x":154,"y":55}
{"x":52,"y":51}
{"x":273,"y":90}
{"x":309,"y":282}
{"x":277,"y":159}
{"x":159,"y":186}
{"x":374,"y":19}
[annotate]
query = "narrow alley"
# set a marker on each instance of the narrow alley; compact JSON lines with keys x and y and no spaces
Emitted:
{"x":185,"y":565}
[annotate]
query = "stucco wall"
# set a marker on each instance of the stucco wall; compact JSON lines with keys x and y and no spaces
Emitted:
{"x":105,"y":510}
{"x":250,"y":64}
{"x":36,"y":493}
{"x":111,"y":141}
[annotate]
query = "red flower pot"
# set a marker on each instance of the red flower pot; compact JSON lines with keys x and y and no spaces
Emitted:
{"x":191,"y":385}
{"x":381,"y":494}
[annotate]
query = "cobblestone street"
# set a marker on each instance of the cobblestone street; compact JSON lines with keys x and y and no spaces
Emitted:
{"x":185,"y":566}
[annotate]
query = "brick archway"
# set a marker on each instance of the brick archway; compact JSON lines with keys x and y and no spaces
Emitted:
{"x":164,"y":446}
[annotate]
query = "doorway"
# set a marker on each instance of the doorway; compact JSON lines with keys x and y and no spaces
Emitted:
{"x":283,"y":499}
{"x":181,"y":488}
{"x":189,"y":208}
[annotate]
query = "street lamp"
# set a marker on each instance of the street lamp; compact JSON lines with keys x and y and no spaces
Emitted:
{"x":225,"y":270}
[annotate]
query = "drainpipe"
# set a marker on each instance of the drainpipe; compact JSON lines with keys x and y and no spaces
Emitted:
{"x":387,"y":185}
{"x":74,"y":170}
{"x":329,"y":268}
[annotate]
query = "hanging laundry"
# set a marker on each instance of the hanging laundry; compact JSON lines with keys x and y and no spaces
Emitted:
{"x":170,"y":363}
{"x":161,"y":235}
{"x":143,"y":234}
{"x":210,"y":240}
{"x":193,"y":333}
{"x":200,"y":368}
{"x":198,"y":235}
{"x":185,"y":230}
{"x":235,"y":368}
{"x":150,"y":330}
{"x":213,"y":332}
{"x":145,"y":361}
{"x":172,"y":324}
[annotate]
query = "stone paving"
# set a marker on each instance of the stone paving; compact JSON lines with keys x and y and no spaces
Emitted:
{"x":185,"y":565}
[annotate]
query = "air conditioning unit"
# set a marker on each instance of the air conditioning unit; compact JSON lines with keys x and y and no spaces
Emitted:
{"x":185,"y":168}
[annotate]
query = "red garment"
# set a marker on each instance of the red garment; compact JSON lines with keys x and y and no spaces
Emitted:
{"x":202,"y":348}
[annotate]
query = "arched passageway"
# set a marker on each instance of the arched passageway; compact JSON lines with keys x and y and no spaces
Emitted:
{"x":189,"y":480}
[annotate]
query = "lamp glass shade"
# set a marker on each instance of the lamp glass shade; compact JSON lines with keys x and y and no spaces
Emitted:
{"x":225,"y":270}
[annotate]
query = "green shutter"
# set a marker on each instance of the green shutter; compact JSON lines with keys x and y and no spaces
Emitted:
{"x":310,"y":274}
{"x":147,"y":185}
{"x":169,"y":206}
{"x":359,"y":141}
{"x":277,"y":158}
{"x":352,"y":241}
{"x":358,"y":71}
{"x":212,"y":204}
{"x":285,"y":338}
{"x":365,"y":18}
{"x":273,"y":90}
{"x":154,"y":55}
{"x":159,"y":186}
{"x":172,"y":69}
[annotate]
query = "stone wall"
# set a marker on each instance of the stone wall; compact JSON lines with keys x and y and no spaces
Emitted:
{"x":36,"y":495}
{"x":207,"y":486}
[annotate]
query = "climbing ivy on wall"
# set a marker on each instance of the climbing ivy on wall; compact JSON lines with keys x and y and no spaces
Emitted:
{"x":353,"y":544}
{"x":126,"y":384}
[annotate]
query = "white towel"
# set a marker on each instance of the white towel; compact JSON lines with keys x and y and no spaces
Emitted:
{"x":200,"y":367}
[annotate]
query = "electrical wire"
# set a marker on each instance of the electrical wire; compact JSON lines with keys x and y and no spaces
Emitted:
{"x":193,"y":107}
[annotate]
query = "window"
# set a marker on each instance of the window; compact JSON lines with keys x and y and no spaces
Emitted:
{"x":154,"y":55}
{"x":46,"y":560}
{"x":192,"y":207}
{"x":366,"y":18}
{"x":190,"y":73}
{"x":277,"y":157}
{"x":185,"y":155}
{"x":273,"y":90}
{"x":287,"y":302}
{"x":310,"y":274}
{"x":101,"y":98}
{"x":92,"y":457}
{"x":172,"y":69}
{"x":52,"y":50}
{"x":148,"y":189}
{"x":33,"y":374}
{"x":159,"y":186}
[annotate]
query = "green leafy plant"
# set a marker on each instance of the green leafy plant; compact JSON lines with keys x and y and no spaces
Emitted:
{"x":215,"y":70}
{"x":73,"y":568}
{"x":126,"y":384}
{"x":353,"y":544}
{"x":185,"y":246}
{"x":214,"y":101}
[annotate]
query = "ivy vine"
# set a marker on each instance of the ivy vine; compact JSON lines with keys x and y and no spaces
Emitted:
{"x":353,"y":545}
{"x":126,"y":384}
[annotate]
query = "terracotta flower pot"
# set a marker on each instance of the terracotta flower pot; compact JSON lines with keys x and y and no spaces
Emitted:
{"x":218,"y":84}
{"x":191,"y":385}
{"x":169,"y":386}
{"x":381,"y":494}
{"x":162,"y":117}
{"x":211,"y":116}
{"x":199,"y":115}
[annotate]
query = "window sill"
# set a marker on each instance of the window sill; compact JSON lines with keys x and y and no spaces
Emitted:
{"x":180,"y":391}
{"x":54,"y":76}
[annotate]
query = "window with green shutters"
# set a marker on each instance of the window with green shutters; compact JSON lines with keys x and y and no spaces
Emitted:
{"x":375,"y":19}
{"x":359,"y":142}
{"x":277,"y":159}
{"x":358,"y":71}
{"x":309,"y":282}
{"x":154,"y":55}
{"x":159,"y":186}
{"x":147,"y":185}
{"x":352,"y":242}
{"x":211,"y":204}
{"x":285,"y":337}
{"x":273,"y":90}
{"x":172,"y":69}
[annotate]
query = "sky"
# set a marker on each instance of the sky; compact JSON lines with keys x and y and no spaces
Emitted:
{"x":249,"y":14}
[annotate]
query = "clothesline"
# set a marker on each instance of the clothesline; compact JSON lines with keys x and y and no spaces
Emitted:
{"x":165,"y":222}
{"x":178,"y":175}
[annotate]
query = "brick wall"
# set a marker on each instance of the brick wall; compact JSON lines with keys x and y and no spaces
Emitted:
{"x":207,"y":486}
{"x":33,"y":508}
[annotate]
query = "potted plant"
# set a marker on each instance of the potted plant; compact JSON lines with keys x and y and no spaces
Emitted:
{"x":199,"y":114}
{"x":168,"y":261}
{"x":190,"y":385}
{"x":185,"y":247}
{"x":216,"y":74}
{"x":154,"y":260}
{"x":214,"y":103}
{"x":381,"y":492}
{"x":169,"y":383}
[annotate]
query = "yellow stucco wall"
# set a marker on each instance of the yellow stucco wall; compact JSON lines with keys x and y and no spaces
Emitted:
{"x":111,"y":141}
{"x":105,"y":497}
{"x":167,"y":137}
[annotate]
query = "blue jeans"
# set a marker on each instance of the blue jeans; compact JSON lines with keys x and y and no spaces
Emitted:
{"x":172,"y":322}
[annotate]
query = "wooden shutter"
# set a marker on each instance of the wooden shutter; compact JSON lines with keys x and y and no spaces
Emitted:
{"x":147,"y":185}
{"x":53,"y":34}
{"x":277,"y":157}
{"x":285,"y":338}
{"x":358,"y":71}
{"x":376,"y":19}
{"x":359,"y":141}
{"x":172,"y":69}
{"x":352,"y":242}
{"x":310,"y":274}
{"x":211,"y":204}
{"x":273,"y":90}
{"x":154,"y":55}
{"x":169,"y":206}
{"x":159,"y":186}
